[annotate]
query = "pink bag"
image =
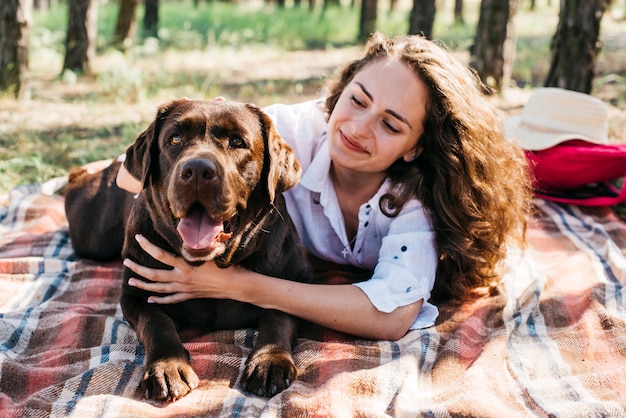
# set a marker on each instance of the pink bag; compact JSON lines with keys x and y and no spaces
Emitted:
{"x":570,"y":165}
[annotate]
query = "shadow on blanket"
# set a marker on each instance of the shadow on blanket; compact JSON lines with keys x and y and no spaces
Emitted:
{"x":550,"y":340}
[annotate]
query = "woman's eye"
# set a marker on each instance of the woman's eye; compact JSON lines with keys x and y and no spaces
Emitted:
{"x":236,"y":142}
{"x":356,"y":101}
{"x":391,"y":128}
{"x":176,"y":139}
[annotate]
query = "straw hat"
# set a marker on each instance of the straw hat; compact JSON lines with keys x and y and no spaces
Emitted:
{"x":553,"y":115}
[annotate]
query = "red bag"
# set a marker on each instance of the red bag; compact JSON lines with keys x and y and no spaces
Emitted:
{"x":561,"y":169}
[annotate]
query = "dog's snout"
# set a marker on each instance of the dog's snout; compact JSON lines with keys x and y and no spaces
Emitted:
{"x":198,"y":170}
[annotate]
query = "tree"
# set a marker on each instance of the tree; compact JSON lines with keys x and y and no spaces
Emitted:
{"x":575,"y":45}
{"x":493,"y":51}
{"x":422,"y":18}
{"x":80,"y":43}
{"x":126,"y":25}
{"x":367,"y":25}
{"x":458,"y":12}
{"x":151,"y":18}
{"x":15,"y":18}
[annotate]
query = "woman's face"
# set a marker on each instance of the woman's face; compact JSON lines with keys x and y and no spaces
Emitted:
{"x":378,"y":117}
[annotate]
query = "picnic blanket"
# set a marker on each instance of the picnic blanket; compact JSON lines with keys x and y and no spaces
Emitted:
{"x":551,"y":341}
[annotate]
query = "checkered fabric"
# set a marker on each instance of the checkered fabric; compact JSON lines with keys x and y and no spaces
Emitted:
{"x":551,"y":341}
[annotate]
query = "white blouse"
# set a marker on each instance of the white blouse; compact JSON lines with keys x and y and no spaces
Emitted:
{"x":400,"y":250}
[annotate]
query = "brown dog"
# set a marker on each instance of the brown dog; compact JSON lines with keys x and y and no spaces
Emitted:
{"x":97,"y":211}
{"x":213,"y":174}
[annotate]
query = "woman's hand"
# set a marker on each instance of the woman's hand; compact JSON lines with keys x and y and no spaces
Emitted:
{"x":342,"y":307}
{"x":182,"y":283}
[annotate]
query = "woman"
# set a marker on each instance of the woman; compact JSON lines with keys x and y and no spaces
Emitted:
{"x":406,"y":173}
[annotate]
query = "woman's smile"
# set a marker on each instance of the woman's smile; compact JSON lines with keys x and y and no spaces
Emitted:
{"x":351,"y":144}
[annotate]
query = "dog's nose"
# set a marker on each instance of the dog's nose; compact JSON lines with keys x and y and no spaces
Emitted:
{"x":198,"y":170}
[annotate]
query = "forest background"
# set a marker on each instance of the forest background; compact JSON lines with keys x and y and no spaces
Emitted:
{"x":247,"y":51}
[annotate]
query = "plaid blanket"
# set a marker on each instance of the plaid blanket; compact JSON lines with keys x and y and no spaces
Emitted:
{"x":550,"y":342}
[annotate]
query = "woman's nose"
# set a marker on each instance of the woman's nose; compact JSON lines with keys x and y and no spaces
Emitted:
{"x":363,"y":125}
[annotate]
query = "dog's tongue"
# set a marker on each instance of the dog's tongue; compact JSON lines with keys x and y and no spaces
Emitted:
{"x":197,"y":230}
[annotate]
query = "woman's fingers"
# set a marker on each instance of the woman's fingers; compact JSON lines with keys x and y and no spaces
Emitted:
{"x":164,"y":288}
{"x":147,"y":272}
{"x":154,"y":287}
{"x":156,"y":252}
{"x":162,"y":281}
{"x":173,"y":298}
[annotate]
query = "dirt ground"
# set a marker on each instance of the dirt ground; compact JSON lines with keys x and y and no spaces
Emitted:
{"x":51,"y":103}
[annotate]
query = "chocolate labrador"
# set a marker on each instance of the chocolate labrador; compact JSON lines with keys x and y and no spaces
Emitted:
{"x":213,"y":174}
{"x":97,"y":211}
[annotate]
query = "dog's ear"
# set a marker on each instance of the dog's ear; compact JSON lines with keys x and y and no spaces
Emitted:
{"x":283,"y":170}
{"x":138,"y":157}
{"x":142,"y":158}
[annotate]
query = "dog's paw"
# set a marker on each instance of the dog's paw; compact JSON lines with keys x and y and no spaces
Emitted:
{"x":168,"y":380}
{"x":269,"y":370}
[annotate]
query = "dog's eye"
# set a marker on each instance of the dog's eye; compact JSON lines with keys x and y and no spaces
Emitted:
{"x":176,"y":139}
{"x":236,"y":142}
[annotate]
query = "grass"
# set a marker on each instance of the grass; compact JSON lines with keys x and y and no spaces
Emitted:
{"x":206,"y":51}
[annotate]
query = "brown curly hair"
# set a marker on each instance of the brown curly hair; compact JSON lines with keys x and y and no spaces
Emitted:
{"x":473,"y":182}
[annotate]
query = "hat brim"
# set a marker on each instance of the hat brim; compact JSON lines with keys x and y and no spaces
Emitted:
{"x":534,"y":140}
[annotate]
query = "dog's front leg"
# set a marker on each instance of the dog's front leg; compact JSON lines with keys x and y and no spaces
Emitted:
{"x":270,"y":367}
{"x":168,"y":374}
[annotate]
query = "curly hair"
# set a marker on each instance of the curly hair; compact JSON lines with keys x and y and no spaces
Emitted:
{"x":473,"y":182}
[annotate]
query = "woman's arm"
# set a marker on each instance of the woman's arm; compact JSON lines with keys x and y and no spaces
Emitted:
{"x":126,"y":181}
{"x":343,"y":308}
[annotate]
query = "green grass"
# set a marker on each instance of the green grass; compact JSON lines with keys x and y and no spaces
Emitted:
{"x":36,"y":156}
{"x":219,"y":24}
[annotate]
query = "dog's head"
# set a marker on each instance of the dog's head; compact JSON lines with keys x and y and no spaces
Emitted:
{"x":212,"y":167}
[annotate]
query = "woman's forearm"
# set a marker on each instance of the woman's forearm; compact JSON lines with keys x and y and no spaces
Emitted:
{"x":343,"y":307}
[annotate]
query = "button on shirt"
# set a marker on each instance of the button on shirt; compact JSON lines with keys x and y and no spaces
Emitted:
{"x":399,"y":250}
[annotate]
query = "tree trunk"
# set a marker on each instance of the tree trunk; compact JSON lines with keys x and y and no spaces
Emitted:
{"x":493,"y":51}
{"x":80,"y":43}
{"x":367,"y":25}
{"x":327,"y":4}
{"x":151,"y":18}
{"x":422,"y":18}
{"x":575,"y":45}
{"x":126,"y":25}
{"x":458,"y":12}
{"x":15,"y":20}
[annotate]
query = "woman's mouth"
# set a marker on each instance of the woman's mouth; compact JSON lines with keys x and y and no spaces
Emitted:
{"x":351,"y":145}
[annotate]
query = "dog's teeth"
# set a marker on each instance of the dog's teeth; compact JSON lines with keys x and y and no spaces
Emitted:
{"x":287,"y":382}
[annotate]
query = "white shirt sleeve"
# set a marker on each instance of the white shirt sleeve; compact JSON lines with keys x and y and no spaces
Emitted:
{"x":406,"y":268}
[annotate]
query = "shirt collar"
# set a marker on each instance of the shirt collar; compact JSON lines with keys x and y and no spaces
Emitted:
{"x":316,"y":177}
